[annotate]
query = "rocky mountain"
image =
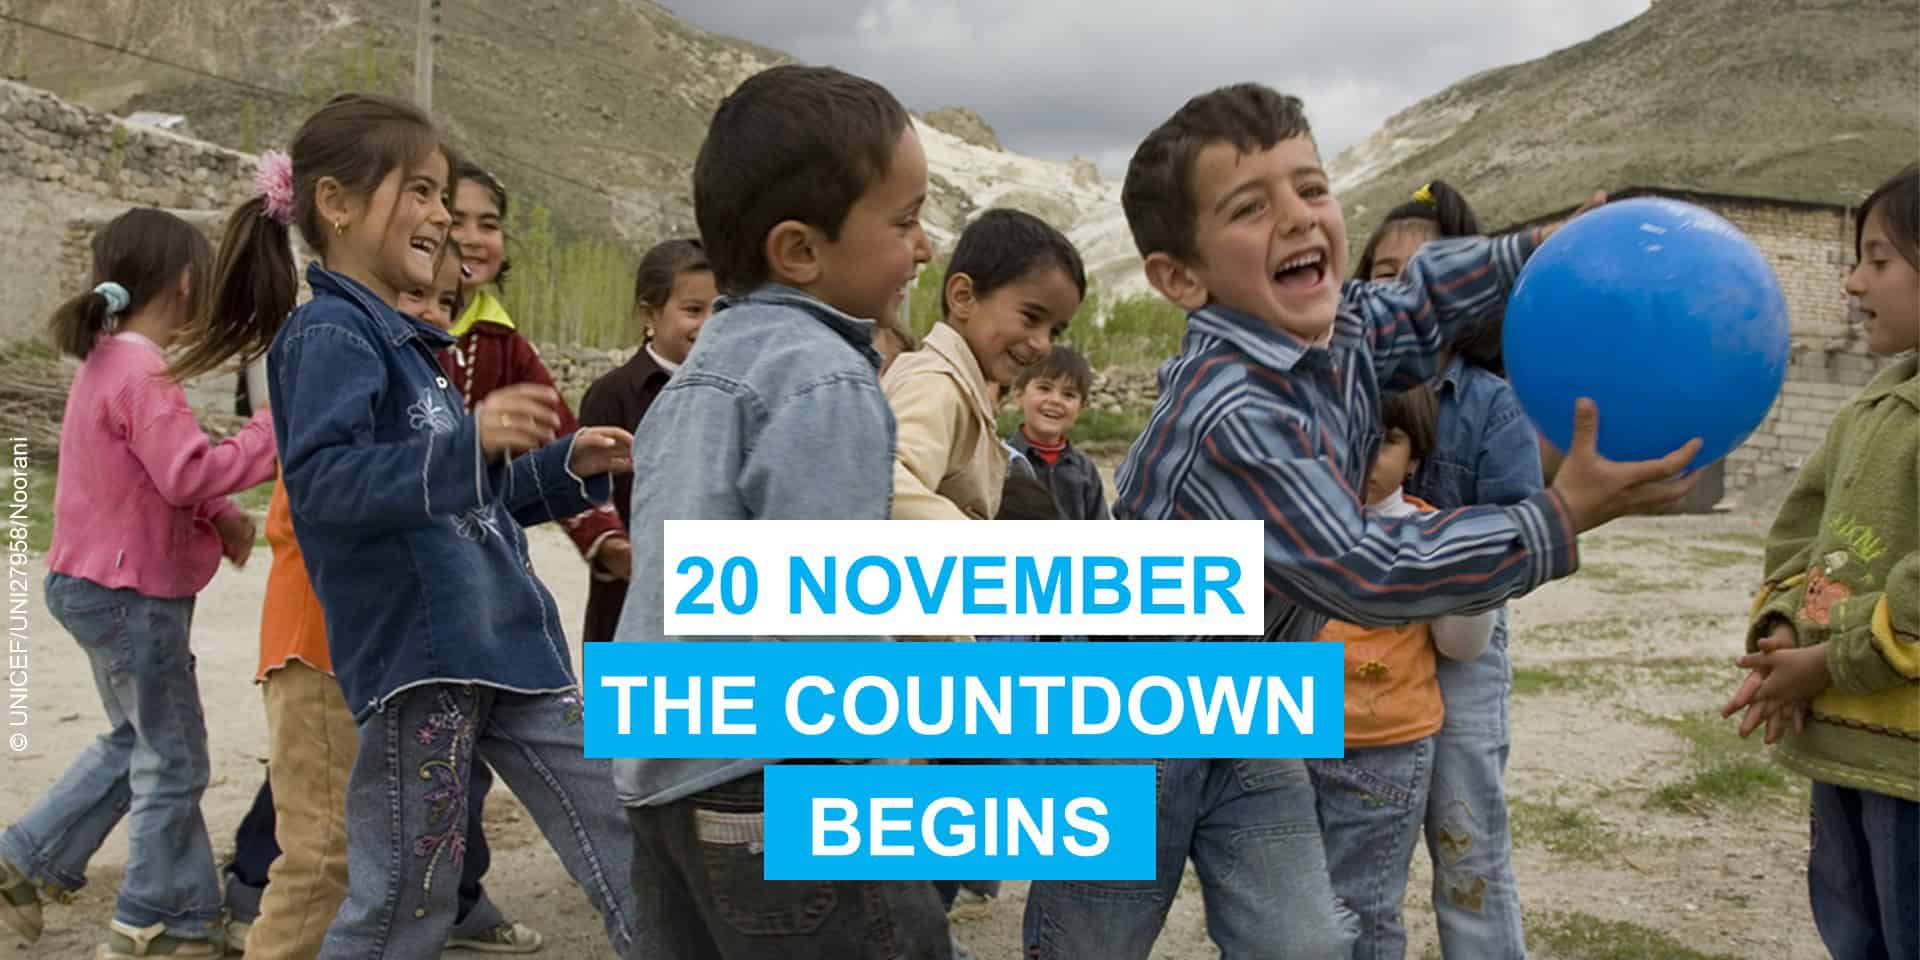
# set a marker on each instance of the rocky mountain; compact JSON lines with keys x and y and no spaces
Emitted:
{"x":595,"y":108}
{"x":1798,"y":99}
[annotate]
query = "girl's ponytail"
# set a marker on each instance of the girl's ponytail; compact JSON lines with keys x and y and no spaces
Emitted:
{"x":80,"y":321}
{"x":1450,"y":210}
{"x":254,"y":288}
{"x":139,"y":255}
{"x":254,"y":282}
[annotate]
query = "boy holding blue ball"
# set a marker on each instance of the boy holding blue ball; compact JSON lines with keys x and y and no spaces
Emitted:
{"x":1271,"y":412}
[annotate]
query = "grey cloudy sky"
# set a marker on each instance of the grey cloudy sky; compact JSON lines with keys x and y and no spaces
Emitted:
{"x":1058,"y":78}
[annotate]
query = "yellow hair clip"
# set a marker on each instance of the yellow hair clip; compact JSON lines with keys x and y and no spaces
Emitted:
{"x":1424,"y":194}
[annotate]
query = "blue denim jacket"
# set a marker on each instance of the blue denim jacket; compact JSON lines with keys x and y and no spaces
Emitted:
{"x":777,"y":414}
{"x":412,"y":539}
{"x":1485,"y":451}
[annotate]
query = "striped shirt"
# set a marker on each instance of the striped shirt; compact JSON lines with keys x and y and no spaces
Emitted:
{"x":1255,"y":424}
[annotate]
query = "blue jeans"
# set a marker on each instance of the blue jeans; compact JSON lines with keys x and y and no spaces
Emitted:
{"x":1863,"y":873}
{"x":699,"y":866}
{"x":150,"y":767}
{"x":1475,"y":898}
{"x":1372,"y":804}
{"x":1254,"y":836}
{"x":407,"y":799}
{"x":255,"y":848}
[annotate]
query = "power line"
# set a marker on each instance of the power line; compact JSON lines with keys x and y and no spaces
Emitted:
{"x":116,"y":48}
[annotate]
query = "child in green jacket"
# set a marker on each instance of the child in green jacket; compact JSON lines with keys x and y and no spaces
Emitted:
{"x":1834,"y":646}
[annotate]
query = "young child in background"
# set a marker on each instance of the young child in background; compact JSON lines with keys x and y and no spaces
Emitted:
{"x":1834,"y":646}
{"x":1486,"y":451}
{"x":1373,"y":801}
{"x":808,"y":191}
{"x":407,"y":513}
{"x":1051,"y":394}
{"x":672,"y":294}
{"x":1270,"y":412}
{"x":1011,"y":286}
{"x":489,"y":352}
{"x":891,"y":338}
{"x":141,"y":520}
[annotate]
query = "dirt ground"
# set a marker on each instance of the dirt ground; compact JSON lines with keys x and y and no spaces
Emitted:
{"x":1644,"y":828}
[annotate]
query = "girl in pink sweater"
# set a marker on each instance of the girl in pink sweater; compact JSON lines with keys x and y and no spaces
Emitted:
{"x":141,"y":520}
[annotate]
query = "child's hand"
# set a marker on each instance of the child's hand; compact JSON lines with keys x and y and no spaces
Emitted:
{"x":517,"y":418}
{"x":236,"y":536}
{"x":1596,"y":490}
{"x":1599,"y":197}
{"x":1777,"y":717}
{"x":1792,"y":676}
{"x":598,"y":450}
{"x":616,"y":556}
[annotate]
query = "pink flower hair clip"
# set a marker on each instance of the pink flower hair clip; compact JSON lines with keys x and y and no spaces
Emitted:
{"x":273,"y":182}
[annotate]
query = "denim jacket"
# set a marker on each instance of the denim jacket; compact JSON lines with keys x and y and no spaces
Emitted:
{"x":778,"y":415}
{"x":1485,"y":451}
{"x":411,"y":536}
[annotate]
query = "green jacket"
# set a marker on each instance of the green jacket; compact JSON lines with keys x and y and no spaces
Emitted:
{"x":1843,"y":564}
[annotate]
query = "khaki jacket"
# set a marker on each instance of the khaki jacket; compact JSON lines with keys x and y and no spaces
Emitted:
{"x":948,"y":462}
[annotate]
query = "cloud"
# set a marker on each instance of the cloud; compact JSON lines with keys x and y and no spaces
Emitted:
{"x":1059,"y":78}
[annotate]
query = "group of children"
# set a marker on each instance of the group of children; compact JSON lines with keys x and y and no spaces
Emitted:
{"x":409,"y":652}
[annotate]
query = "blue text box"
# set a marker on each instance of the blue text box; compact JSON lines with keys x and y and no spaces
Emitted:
{"x":1057,"y":822}
{"x":933,"y":700}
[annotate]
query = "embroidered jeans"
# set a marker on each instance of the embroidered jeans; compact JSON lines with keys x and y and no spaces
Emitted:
{"x":407,"y":800}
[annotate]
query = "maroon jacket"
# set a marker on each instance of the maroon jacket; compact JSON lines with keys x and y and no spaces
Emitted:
{"x":490,"y":356}
{"x":619,"y":399}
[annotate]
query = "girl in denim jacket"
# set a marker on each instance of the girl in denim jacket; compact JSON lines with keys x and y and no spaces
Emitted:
{"x":408,"y":511}
{"x":1486,"y":452}
{"x":141,"y":520}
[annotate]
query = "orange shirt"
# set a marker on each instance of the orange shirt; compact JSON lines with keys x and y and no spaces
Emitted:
{"x":292,"y":625}
{"x":1393,"y":694}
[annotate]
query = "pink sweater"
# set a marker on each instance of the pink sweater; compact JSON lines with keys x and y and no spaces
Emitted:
{"x":139,"y":484}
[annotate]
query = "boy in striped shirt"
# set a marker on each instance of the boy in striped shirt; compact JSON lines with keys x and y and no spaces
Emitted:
{"x":1271,"y":411}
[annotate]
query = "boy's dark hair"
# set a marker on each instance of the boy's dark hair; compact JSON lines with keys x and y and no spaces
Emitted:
{"x":1415,"y":413}
{"x":145,"y":251}
{"x":1899,"y":203}
{"x":1024,"y":497}
{"x":1060,"y":363}
{"x":357,"y":139}
{"x":468,"y":170}
{"x":1003,"y":246}
{"x":1158,"y":192}
{"x":653,"y":282}
{"x":1446,"y":211}
{"x":790,"y":143}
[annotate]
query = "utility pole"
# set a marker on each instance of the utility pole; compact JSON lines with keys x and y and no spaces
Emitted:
{"x":425,"y":36}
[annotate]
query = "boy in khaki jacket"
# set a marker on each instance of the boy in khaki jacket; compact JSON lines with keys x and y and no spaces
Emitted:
{"x":1011,"y":287}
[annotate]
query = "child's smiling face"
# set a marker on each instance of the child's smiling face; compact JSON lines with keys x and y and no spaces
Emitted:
{"x":1049,"y":407}
{"x":1887,"y":288}
{"x":1270,"y":237}
{"x":435,"y":305}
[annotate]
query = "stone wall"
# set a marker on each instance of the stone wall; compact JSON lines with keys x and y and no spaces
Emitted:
{"x":1811,"y":250}
{"x":61,"y":163}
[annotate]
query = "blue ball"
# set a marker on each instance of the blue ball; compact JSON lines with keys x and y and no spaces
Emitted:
{"x":1665,"y":314}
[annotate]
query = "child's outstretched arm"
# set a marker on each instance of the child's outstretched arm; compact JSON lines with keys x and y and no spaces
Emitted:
{"x":929,"y":420}
{"x":185,"y":468}
{"x":1325,"y":553}
{"x":1790,"y":550}
{"x":335,"y":471}
{"x":1448,"y":288}
{"x":545,"y":485}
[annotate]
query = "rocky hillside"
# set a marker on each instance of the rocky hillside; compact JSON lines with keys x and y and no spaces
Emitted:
{"x":595,"y":108}
{"x":1802,"y":99}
